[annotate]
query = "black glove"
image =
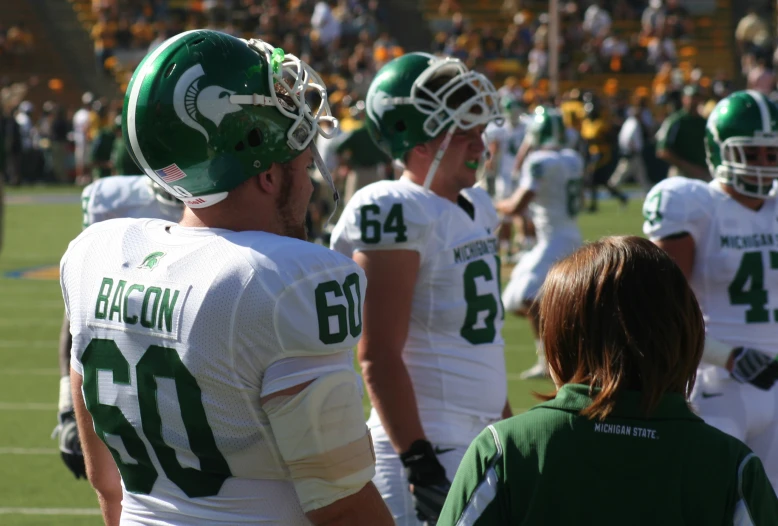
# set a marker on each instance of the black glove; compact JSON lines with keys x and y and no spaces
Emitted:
{"x":69,"y":444}
{"x":754,"y":367}
{"x":429,"y":485}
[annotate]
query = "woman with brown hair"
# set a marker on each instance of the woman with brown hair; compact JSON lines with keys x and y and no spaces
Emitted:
{"x":617,"y":442}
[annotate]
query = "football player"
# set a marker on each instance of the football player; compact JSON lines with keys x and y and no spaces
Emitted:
{"x":503,"y":143}
{"x":550,"y":188}
{"x":211,"y":369}
{"x":432,"y":350}
{"x":107,"y":198}
{"x":724,"y":236}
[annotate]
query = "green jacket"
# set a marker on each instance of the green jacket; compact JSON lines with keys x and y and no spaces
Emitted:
{"x":551,"y":466}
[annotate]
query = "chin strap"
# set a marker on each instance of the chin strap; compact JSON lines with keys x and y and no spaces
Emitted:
{"x":439,"y":156}
{"x":325,"y":173}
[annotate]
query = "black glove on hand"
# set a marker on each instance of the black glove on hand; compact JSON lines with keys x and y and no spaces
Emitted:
{"x":754,"y":367}
{"x":69,"y":444}
{"x":429,"y":485}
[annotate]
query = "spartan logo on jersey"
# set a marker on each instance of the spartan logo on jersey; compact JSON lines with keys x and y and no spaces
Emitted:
{"x":194,"y":103}
{"x":151,"y":261}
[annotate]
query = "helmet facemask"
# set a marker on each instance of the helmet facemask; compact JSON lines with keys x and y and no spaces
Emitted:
{"x":449,"y":96}
{"x":298,"y":93}
{"x":735,"y":167}
{"x":441,"y":100}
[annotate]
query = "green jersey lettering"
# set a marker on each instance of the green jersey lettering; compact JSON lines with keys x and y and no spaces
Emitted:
{"x":101,"y":306}
{"x":146,"y":320}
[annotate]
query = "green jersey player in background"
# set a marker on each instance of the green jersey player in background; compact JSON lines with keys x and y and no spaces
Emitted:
{"x":617,"y":443}
{"x":211,"y":360}
{"x":550,"y":188}
{"x":107,"y":198}
{"x":432,"y":349}
{"x":724,"y":236}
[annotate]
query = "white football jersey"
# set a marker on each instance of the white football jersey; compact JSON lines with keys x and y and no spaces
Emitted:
{"x":454,"y":351}
{"x":556,"y":178}
{"x":735,"y":274}
{"x":173,"y":330}
{"x":509,"y":139}
{"x":124,"y":196}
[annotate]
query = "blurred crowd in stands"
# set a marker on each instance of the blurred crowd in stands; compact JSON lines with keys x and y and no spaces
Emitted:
{"x":346,"y":40}
{"x":15,"y":42}
{"x":589,"y":41}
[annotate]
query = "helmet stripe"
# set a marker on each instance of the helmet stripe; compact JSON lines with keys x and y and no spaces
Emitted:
{"x":132,"y":107}
{"x":763,"y":110}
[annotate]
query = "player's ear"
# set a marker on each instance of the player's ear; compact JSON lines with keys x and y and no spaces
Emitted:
{"x":422,"y":150}
{"x":269,"y":180}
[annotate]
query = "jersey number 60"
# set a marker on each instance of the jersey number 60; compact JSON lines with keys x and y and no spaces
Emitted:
{"x":156,"y":362}
{"x":349,"y":321}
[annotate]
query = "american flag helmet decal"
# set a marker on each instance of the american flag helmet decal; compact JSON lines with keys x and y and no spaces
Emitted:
{"x":170,"y":174}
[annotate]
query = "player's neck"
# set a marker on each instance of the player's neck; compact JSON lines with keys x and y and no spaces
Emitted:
{"x":753,"y":203}
{"x":437,"y":187}
{"x":229,"y":218}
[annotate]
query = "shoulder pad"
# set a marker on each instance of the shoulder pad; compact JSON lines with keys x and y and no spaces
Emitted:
{"x":676,"y":205}
{"x":318,"y":293}
{"x":387,"y":215}
{"x":109,"y":198}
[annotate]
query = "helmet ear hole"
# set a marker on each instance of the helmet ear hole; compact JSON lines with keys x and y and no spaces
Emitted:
{"x":240,"y":147}
{"x":255,"y":138}
{"x":400,"y":126}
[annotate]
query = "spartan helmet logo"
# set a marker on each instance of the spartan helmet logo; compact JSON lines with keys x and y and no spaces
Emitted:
{"x":191,"y":101}
{"x":379,"y":103}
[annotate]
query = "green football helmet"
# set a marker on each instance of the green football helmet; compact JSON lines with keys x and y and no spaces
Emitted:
{"x":512,"y":108}
{"x":206,"y":111}
{"x":546,"y":128}
{"x":743,"y":119}
{"x":410,"y":102}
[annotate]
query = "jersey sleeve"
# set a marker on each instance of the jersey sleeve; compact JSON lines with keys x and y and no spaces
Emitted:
{"x":387,"y":220}
{"x":757,"y":502}
{"x":477,"y":494}
{"x":675,"y":206}
{"x":531,"y":173}
{"x":322,"y":312}
{"x":87,"y":210}
{"x":99,"y":202}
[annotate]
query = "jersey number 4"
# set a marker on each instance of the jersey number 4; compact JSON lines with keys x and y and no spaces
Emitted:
{"x":139,"y":476}
{"x":751,"y":273}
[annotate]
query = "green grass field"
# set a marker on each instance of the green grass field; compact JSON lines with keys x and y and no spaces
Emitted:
{"x":36,"y":488}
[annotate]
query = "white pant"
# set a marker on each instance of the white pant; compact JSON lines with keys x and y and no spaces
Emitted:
{"x":530,"y":273}
{"x":631,"y":165}
{"x":741,"y":410}
{"x":390,"y":479}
